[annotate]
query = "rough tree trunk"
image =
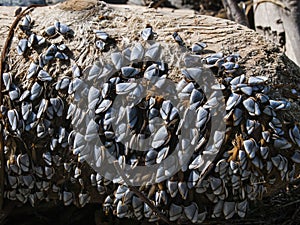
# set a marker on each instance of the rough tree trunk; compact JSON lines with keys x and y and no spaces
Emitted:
{"x":281,"y":25}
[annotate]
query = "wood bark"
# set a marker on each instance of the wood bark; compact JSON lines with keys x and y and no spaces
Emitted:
{"x":280,"y":24}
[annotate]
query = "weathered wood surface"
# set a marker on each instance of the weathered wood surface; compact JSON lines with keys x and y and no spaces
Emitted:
{"x":280,"y":24}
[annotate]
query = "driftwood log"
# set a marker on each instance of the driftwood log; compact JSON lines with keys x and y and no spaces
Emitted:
{"x":124,"y":23}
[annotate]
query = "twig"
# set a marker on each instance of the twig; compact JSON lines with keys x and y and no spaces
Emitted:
{"x":234,"y":12}
{"x":140,"y":195}
{"x":2,"y":63}
{"x":290,"y":203}
{"x":155,"y":5}
{"x":276,"y":2}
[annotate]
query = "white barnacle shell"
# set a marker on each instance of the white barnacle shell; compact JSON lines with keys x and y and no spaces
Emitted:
{"x":75,"y":85}
{"x":125,"y":88}
{"x":22,"y":46}
{"x":122,"y":210}
{"x":153,"y":52}
{"x":50,"y":31}
{"x":152,"y":73}
{"x":196,"y":99}
{"x":150,"y":157}
{"x":137,"y":52}
{"x":218,"y":209}
{"x":100,"y":44}
{"x":238,"y":80}
{"x":296,"y":157}
{"x":172,"y":187}
{"x":282,"y":143}
{"x":103,"y":106}
{"x":264,"y":151}
{"x":93,"y":97}
{"x":257,"y":80}
{"x":14,"y":92}
{"x":92,"y":131}
{"x":71,"y":111}
{"x":229,"y":66}
{"x":79,"y":143}
{"x":161,"y":82}
{"x":198,"y":47}
{"x":7,"y":80}
{"x":191,"y":212}
{"x":129,"y":72}
{"x":237,"y":116}
{"x":193,"y":179}
{"x":216,"y":185}
{"x":183,"y":190}
{"x":162,"y":154}
{"x":295,"y":135}
{"x":42,"y":107}
{"x":35,"y":91}
{"x":57,"y":105}
{"x":26,"y":22}
{"x":147,"y":33}
{"x":251,"y":125}
{"x":47,"y":158}
{"x":13,"y":181}
{"x":26,"y":109}
{"x":31,"y":40}
{"x":101,"y":34}
{"x":280,"y":104}
{"x":61,"y":27}
{"x":252,"y":106}
{"x":160,"y":137}
{"x":117,"y":59}
{"x":228,"y":209}
{"x":13,"y":118}
{"x":202,"y":118}
{"x":23,"y":161}
{"x":165,"y":109}
{"x":175,"y":212}
{"x":42,"y":128}
{"x":33,"y":69}
{"x":251,"y":147}
{"x":233,"y":100}
{"x":132,"y":116}
{"x":29,"y":181}
{"x":44,"y":76}
{"x":193,"y":73}
{"x":218,"y":87}
{"x":83,"y":198}
{"x":186,"y":91}
{"x":61,"y":55}
{"x":76,"y":71}
{"x":67,"y":198}
{"x":241,"y":208}
{"x":95,"y":70}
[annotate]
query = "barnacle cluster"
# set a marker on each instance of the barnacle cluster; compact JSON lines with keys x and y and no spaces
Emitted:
{"x":62,"y":112}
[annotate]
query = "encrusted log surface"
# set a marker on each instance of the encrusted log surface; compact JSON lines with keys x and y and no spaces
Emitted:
{"x":124,"y":23}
